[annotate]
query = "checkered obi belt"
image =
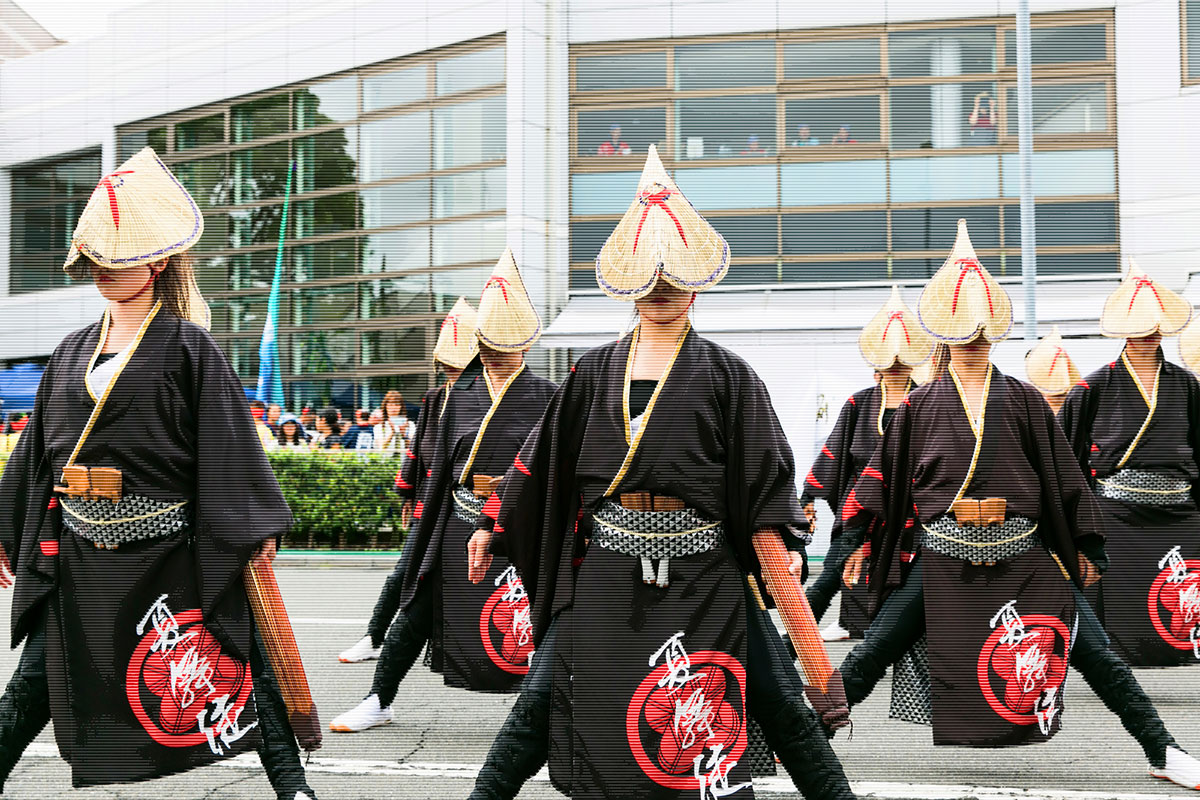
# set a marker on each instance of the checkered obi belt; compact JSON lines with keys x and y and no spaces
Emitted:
{"x":1144,"y":488}
{"x":467,"y":506}
{"x":654,"y":536}
{"x":133,"y":518}
{"x":980,"y":544}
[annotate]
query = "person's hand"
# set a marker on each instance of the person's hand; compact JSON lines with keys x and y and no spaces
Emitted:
{"x":810,"y":514}
{"x":6,"y":570}
{"x":854,"y":566}
{"x":266,"y":550}
{"x":406,"y":509}
{"x":796,"y":563}
{"x":1087,"y":570}
{"x":831,"y":705}
{"x":479,"y":560}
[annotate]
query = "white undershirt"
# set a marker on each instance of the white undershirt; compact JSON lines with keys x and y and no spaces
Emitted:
{"x":636,"y":423}
{"x":101,"y":376}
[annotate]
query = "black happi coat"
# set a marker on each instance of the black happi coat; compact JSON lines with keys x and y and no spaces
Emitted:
{"x":482,"y":638}
{"x":982,"y":692}
{"x":1148,"y":598}
{"x":847,"y":451}
{"x":710,"y":438}
{"x":416,"y":465}
{"x":118,"y":714}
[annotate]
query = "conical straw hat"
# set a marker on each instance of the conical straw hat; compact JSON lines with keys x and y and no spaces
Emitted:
{"x":660,"y":234}
{"x":962,"y":300}
{"x":894,"y":335}
{"x":456,"y":343}
{"x":1141,"y":306}
{"x":507,"y":320}
{"x":1189,"y":345}
{"x":138,"y":214}
{"x":1049,"y":368}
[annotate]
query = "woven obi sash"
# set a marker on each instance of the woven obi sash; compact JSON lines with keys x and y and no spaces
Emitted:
{"x":131,"y":519}
{"x":654,"y":536}
{"x":467,"y":504}
{"x":980,"y":544}
{"x":1144,"y":488}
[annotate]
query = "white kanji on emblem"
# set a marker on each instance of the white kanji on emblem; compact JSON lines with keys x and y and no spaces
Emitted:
{"x":224,"y":726}
{"x":1178,"y":566}
{"x":714,"y":784}
{"x":165,"y":625}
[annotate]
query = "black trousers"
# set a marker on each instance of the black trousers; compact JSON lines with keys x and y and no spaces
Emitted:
{"x":402,"y":646}
{"x":387,"y":605}
{"x":775,"y":699}
{"x":25,"y":710}
{"x":824,"y":588}
{"x":901,"y":622}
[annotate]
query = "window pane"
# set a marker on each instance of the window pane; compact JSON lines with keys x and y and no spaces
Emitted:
{"x":259,"y":118}
{"x":584,"y":279}
{"x":1060,"y":173}
{"x":1063,"y":108}
{"x":449,"y":285}
{"x":255,"y":270}
{"x":833,"y":121}
{"x":395,"y":88}
{"x":200,"y":132}
{"x":627,"y":71}
{"x":945,"y":51}
{"x":411,"y":386}
{"x":1069,"y":264}
{"x":726,"y":127}
{"x":205,"y":180}
{"x":916,"y":180}
{"x":243,"y":355}
{"x":323,"y":351}
{"x":842,"y":232}
{"x":333,"y":101}
{"x":1060,"y":45}
{"x":325,"y":304}
{"x":331,"y":214}
{"x":395,"y":204}
{"x":928,"y":228}
{"x":469,"y":133}
{"x":1064,"y":224}
{"x":216,"y":233}
{"x":394,"y":297}
{"x":395,"y":146}
{"x":472,"y":240}
{"x":469,"y":192}
{"x":68,"y":177}
{"x":717,"y":66}
{"x":130,"y":143}
{"x":605,"y":192}
{"x":724,"y":187}
{"x":1192,"y":24}
{"x":920,"y":269}
{"x":750,"y":235}
{"x":396,"y":250}
{"x":588,"y":237}
{"x":832,"y":182}
{"x":326,"y":160}
{"x":213,"y":274}
{"x":259,"y":225}
{"x":620,"y":131}
{"x":259,"y":173}
{"x":944,"y":115}
{"x":326,"y":260}
{"x":36,"y":271}
{"x":395,"y":345}
{"x":245,"y":314}
{"x":836,"y":272}
{"x":828,"y":59}
{"x":45,"y":228}
{"x":747,"y":274}
{"x":470,"y":71}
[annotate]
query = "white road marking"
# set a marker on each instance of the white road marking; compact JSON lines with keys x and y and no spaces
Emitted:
{"x":358,"y":623}
{"x":776,"y":785}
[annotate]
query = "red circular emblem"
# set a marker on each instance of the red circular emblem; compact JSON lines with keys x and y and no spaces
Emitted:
{"x":506,"y":629}
{"x":1014,"y":675}
{"x":172,"y":681}
{"x":669,"y":726}
{"x":1174,"y":606}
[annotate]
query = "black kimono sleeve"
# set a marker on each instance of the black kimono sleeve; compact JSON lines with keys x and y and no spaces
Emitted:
{"x":832,"y":474}
{"x":1078,"y":415}
{"x":238,"y":500}
{"x":1193,"y":423}
{"x":409,"y":477}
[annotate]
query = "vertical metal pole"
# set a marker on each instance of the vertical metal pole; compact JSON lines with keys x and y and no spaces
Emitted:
{"x":1025,"y":146}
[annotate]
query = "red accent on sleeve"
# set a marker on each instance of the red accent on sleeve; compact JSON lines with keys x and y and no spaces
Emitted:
{"x":429,"y":472}
{"x":49,"y":547}
{"x":1093,"y":473}
{"x":866,"y":548}
{"x":408,"y":452}
{"x":1095,"y":448}
{"x":908,"y":523}
{"x":520,"y":465}
{"x":572,"y":368}
{"x":852,"y":401}
{"x":811,"y":480}
{"x":419,"y":510}
{"x":906,"y":402}
{"x":871,"y":472}
{"x":492,"y":507}
{"x":825,"y":452}
{"x":497,"y":528}
{"x":401,"y":483}
{"x":851,"y":506}
{"x":1084,"y":384}
{"x":53,"y":504}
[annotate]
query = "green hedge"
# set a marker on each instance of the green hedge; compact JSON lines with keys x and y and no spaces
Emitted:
{"x":340,"y":499}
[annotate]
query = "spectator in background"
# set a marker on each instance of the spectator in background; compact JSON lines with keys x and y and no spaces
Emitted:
{"x":329,"y":429}
{"x":258,"y":410}
{"x":614,"y":145}
{"x":982,"y":120}
{"x":273,"y":412}
{"x":291,"y":434}
{"x":16,"y":423}
{"x":843,"y":136}
{"x":804,"y":137}
{"x":395,"y":431}
{"x":753,"y":148}
{"x":308,"y":418}
{"x":359,"y":436}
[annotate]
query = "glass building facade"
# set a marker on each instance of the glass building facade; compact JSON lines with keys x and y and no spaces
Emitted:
{"x":47,"y":199}
{"x":846,"y":155}
{"x":397,"y":208}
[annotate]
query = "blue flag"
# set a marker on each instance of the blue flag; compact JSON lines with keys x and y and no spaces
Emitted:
{"x":270,"y":381}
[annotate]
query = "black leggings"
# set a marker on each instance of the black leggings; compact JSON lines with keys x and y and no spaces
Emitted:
{"x":901,"y":622}
{"x":825,"y":587}
{"x":388,"y":603}
{"x":402,"y":647}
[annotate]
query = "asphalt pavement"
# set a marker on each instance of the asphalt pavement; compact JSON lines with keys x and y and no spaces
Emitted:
{"x":441,"y":735}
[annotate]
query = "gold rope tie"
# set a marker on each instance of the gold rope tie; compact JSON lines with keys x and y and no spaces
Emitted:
{"x":139,"y":517}
{"x":1009,"y":540}
{"x":1102,"y":482}
{"x":701,"y":529}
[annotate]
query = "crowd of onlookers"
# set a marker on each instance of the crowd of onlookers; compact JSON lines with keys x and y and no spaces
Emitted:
{"x":387,"y":429}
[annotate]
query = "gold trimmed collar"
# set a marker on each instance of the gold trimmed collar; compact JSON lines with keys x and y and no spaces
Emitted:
{"x":908,"y":387}
{"x":976,"y":425}
{"x":1151,"y":401}
{"x":497,"y":398}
